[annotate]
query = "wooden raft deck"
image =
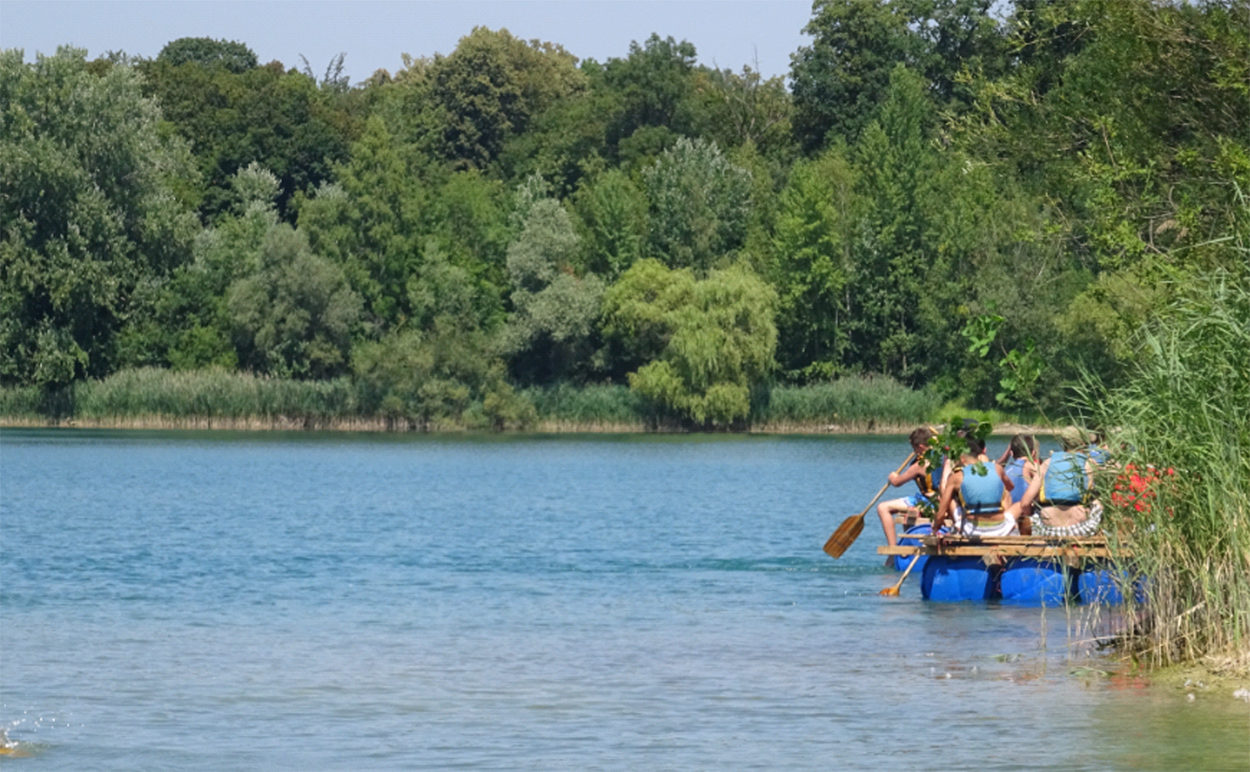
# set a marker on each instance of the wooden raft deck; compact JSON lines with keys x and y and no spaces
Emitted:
{"x":1072,"y":548}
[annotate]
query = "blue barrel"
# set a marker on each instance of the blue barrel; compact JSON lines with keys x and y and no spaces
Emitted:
{"x":951,"y":580}
{"x":1034,"y":582}
{"x":1100,"y":584}
{"x":902,"y":561}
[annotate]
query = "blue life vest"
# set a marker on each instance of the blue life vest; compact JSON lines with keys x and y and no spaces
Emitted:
{"x":982,"y":494}
{"x":931,"y":483}
{"x":1065,"y":482}
{"x":1015,"y":472}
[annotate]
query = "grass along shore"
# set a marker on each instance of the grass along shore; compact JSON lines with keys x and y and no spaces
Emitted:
{"x":151,"y":398}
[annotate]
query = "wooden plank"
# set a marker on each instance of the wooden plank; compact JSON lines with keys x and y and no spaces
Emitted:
{"x":1013,"y":551}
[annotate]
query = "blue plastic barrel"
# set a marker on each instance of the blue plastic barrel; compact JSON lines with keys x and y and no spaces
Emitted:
{"x":1099,"y":584}
{"x":1034,"y":582}
{"x":951,"y":580}
{"x":902,"y":561}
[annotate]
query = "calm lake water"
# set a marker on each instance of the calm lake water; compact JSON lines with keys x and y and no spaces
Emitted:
{"x":327,"y":601}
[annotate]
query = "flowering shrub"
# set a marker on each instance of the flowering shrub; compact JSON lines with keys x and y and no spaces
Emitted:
{"x":1138,"y":487}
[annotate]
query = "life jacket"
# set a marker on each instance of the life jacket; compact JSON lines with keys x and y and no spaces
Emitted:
{"x":1066,"y":482}
{"x":982,"y":494}
{"x":931,"y":483}
{"x":1015,"y":472}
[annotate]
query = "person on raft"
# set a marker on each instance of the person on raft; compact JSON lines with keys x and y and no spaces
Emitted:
{"x":1019,"y":462}
{"x":979,"y":487}
{"x":1061,"y":497}
{"x":928,"y":481}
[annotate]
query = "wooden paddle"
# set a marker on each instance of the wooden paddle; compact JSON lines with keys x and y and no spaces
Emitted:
{"x":851,"y":527}
{"x":894,"y":590}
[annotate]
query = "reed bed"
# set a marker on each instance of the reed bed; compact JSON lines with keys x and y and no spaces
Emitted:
{"x":212,"y":395}
{"x":606,"y":405}
{"x":151,"y":398}
{"x":856,"y":403}
{"x":1179,"y":496}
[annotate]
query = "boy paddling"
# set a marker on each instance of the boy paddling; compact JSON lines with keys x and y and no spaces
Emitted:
{"x":928,"y":481}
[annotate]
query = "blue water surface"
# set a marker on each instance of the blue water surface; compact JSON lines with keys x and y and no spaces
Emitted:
{"x":336,"y":601}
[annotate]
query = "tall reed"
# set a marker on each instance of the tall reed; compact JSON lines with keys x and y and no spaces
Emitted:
{"x":150,"y":392}
{"x":1180,"y":499}
{"x":856,"y":402}
{"x":590,"y":406}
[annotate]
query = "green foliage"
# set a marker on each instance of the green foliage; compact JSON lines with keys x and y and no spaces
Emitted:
{"x":839,"y":79}
{"x":230,"y":55}
{"x":854,"y":401}
{"x":441,"y":378}
{"x":87,"y":211}
{"x":715,"y":338}
{"x":209,"y":394}
{"x":652,"y":87}
{"x":612,"y":213}
{"x":736,"y":109}
{"x":812,"y":264}
{"x":371,"y":223}
{"x":1184,"y":412}
{"x":489,"y":89}
{"x":699,"y":206}
{"x":295,"y":314}
{"x":554,"y":310}
{"x":263,"y":115}
{"x":603,"y":405}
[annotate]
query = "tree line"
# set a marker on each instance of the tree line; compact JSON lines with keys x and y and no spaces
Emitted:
{"x":979,"y":199}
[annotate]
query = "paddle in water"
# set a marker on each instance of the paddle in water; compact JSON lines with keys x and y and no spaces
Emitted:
{"x":894,"y":590}
{"x":851,"y":527}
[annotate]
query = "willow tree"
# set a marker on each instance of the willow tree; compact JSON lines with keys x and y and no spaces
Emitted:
{"x":88,"y":215}
{"x":705,"y":343}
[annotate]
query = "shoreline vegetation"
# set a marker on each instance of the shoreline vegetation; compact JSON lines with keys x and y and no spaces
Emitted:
{"x":156,"y":399}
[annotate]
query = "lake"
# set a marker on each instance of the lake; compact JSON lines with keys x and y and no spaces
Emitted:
{"x":244,"y":601}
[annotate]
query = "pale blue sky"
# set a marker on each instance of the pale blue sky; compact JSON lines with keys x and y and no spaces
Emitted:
{"x":375,"y":33}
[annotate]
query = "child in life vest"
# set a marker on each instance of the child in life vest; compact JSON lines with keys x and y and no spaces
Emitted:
{"x":911,"y":509}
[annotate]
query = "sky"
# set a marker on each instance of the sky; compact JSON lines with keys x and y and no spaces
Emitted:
{"x":374,"y":34}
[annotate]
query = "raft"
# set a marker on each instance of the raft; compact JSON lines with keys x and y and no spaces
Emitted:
{"x":1017,"y":570}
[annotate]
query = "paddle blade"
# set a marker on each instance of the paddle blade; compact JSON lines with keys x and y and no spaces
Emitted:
{"x":890,"y":590}
{"x":845,"y":536}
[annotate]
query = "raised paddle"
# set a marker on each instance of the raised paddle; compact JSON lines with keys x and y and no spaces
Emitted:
{"x":851,"y":527}
{"x":894,"y":590}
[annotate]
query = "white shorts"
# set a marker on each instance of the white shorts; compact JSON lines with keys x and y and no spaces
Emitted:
{"x":1006,"y":528}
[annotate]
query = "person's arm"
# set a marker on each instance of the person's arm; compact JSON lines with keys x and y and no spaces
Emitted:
{"x":1035,"y":487}
{"x":1002,"y":475}
{"x":1005,"y":457}
{"x":911,"y":473}
{"x":948,"y":492}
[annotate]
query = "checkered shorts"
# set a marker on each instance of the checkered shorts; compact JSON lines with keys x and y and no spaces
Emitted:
{"x":1087,"y":527}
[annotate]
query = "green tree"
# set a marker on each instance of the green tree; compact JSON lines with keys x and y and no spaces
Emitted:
{"x":489,"y":89}
{"x":372,"y":222}
{"x":295,"y":315}
{"x":895,"y":271}
{"x":440,"y":377}
{"x":700,"y":205}
{"x":88,"y":215}
{"x":263,"y":115}
{"x":612,"y":212}
{"x":812,"y":266}
{"x":839,"y":80}
{"x":652,"y":87}
{"x":705,"y":343}
{"x":231,"y":55}
{"x":548,"y":334}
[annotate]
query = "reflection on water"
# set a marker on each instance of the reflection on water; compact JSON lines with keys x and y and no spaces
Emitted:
{"x":616,"y":603}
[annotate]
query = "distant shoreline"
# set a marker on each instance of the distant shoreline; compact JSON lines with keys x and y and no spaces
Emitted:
{"x":383,"y":426}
